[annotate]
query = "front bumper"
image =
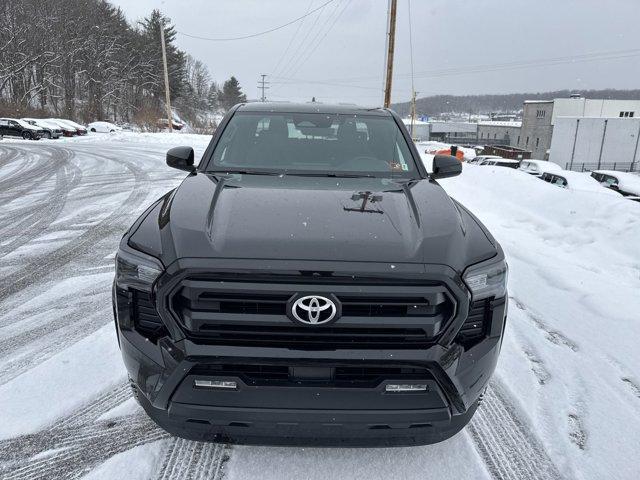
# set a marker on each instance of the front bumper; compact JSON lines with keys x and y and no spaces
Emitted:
{"x":301,"y":409}
{"x":308,"y":414}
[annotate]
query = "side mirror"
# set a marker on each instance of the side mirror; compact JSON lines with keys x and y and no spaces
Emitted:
{"x":181,"y":158}
{"x":445,"y":166}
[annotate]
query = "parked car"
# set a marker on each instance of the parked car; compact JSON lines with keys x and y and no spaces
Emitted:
{"x":378,"y":320}
{"x":51,"y":130}
{"x":12,"y":127}
{"x":625,"y":183}
{"x":575,"y":181}
{"x":163,"y":123}
{"x":501,"y":162}
{"x":128,"y":127}
{"x":67,"y":130}
{"x":478,"y":159}
{"x":80,"y":130}
{"x":538,"y":167}
{"x":103,"y":127}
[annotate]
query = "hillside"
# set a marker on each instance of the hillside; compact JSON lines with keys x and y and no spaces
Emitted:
{"x":510,"y":102}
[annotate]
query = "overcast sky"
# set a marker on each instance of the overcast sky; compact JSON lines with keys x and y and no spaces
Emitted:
{"x":457,"y":45}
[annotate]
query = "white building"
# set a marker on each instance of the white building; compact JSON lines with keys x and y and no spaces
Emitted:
{"x":420,"y":129}
{"x":586,"y":107}
{"x":540,"y":117}
{"x":596,"y":143}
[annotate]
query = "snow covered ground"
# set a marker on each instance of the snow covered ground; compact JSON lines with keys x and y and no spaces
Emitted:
{"x":565,"y":401}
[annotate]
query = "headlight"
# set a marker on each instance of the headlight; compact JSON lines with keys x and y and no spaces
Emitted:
{"x":136,"y":270}
{"x":487,"y":279}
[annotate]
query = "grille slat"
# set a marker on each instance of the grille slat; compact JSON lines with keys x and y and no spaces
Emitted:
{"x":145,"y":316}
{"x":476,"y":325}
{"x":255,"y":314}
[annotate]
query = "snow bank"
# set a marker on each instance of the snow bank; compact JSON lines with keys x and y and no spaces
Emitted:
{"x":570,"y":358}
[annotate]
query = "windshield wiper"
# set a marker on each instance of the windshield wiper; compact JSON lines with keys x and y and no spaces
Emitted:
{"x":332,"y":174}
{"x":244,"y":172}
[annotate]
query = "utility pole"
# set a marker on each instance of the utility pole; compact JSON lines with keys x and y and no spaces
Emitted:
{"x":391,"y":41}
{"x":262,"y":85}
{"x":413,"y":111}
{"x":166,"y":79}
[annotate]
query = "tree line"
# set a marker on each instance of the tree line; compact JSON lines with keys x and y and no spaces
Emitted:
{"x":512,"y":102}
{"x":83,"y":60}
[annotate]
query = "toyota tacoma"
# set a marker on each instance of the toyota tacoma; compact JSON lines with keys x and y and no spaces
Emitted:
{"x":310,"y":283}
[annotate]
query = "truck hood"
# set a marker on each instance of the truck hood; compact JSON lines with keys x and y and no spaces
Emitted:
{"x":312,"y":218}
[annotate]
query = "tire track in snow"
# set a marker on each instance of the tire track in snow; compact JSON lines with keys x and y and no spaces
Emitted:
{"x":80,"y":442}
{"x":27,"y":224}
{"x":554,"y":336}
{"x":111,"y":226}
{"x":186,"y":459}
{"x":509,"y":450}
{"x":48,"y":339}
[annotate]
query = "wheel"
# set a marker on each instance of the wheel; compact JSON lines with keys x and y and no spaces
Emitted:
{"x":26,"y":135}
{"x":47,"y":135}
{"x":112,"y":131}
{"x":93,"y":130}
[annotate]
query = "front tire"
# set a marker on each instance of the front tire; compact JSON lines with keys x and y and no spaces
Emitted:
{"x":47,"y":135}
{"x":93,"y":130}
{"x":26,"y":136}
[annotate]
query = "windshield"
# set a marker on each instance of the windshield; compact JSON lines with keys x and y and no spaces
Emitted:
{"x":313,"y":143}
{"x":24,"y":124}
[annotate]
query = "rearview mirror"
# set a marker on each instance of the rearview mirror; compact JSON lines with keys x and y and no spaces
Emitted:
{"x":181,"y":158}
{"x":445,"y":166}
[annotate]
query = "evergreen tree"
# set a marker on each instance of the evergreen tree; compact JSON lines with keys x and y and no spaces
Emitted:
{"x":232,"y":93}
{"x":176,"y":59}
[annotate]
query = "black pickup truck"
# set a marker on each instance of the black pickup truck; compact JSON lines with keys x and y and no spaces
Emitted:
{"x":310,"y":283}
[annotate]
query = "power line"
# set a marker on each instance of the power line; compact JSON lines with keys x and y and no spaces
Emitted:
{"x":228,"y":39}
{"x":319,"y":42}
{"x":298,"y":81}
{"x":302,"y":46}
{"x":587,"y":57}
{"x":295,"y":34}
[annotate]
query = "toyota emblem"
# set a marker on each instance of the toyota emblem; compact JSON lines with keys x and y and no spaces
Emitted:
{"x":314,"y":310}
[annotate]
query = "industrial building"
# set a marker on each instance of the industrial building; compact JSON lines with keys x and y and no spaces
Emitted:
{"x":581,"y":143}
{"x":540,"y":116}
{"x":499,"y":132}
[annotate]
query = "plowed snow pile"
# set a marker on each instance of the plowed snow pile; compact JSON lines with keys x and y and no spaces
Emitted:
{"x":570,"y":358}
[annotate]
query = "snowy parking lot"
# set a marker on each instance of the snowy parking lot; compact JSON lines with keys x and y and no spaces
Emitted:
{"x":564,"y":403}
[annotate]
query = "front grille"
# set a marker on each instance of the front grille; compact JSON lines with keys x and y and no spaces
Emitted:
{"x":301,"y":337}
{"x":476,"y":325}
{"x":336,"y":376}
{"x":255,"y":314}
{"x":145,"y":317}
{"x":351,"y":305}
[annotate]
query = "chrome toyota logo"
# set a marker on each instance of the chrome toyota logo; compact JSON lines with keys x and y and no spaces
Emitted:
{"x":314,"y":310}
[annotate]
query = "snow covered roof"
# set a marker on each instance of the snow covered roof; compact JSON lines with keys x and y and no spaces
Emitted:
{"x":407,"y":121}
{"x":494,"y":123}
{"x":445,"y":127}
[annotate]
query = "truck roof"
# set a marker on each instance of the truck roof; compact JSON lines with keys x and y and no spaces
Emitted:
{"x":311,"y":107}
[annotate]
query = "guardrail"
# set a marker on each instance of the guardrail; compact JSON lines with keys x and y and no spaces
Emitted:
{"x":618,"y":166}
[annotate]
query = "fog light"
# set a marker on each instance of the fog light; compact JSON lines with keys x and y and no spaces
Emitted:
{"x":406,"y":387}
{"x":220,"y":384}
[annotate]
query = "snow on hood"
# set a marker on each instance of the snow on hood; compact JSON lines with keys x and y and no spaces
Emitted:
{"x":629,"y":182}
